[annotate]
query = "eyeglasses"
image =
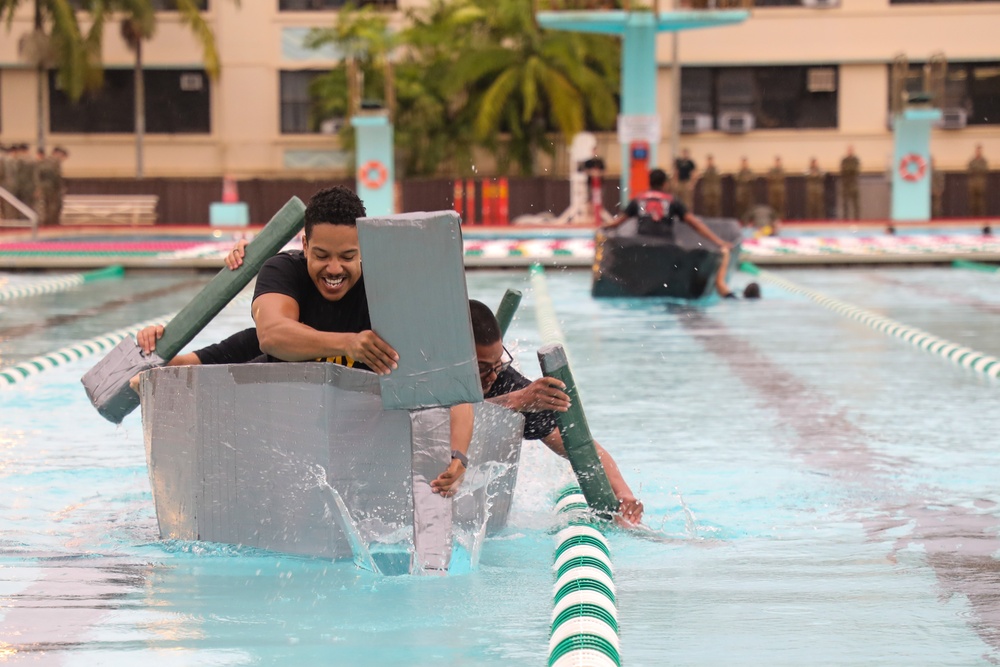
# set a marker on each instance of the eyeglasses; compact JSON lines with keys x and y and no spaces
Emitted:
{"x":497,"y":368}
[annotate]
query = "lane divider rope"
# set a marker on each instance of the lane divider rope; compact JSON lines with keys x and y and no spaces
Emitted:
{"x":584,"y":629}
{"x":60,"y":284}
{"x":963,"y":356}
{"x":11,"y":375}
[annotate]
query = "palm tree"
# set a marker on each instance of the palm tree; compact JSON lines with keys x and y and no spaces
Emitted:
{"x":524,"y":82}
{"x":56,"y":40}
{"x":138,"y":25}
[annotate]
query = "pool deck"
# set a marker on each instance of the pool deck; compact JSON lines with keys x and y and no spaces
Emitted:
{"x":801,"y":244}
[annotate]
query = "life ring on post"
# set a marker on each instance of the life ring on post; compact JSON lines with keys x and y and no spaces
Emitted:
{"x":373,"y":174}
{"x":912,"y":167}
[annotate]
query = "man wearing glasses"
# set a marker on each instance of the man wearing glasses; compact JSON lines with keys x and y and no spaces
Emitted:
{"x":538,"y":401}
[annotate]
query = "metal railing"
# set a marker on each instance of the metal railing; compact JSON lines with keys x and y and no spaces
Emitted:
{"x":31,"y":218}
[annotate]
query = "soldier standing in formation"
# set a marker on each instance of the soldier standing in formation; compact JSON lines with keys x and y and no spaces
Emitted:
{"x":711,"y":189}
{"x":684,"y":170}
{"x":776,"y":188}
{"x":5,"y":168}
{"x":978,"y":169}
{"x":815,"y":191}
{"x":937,"y":191}
{"x":25,"y":177}
{"x":50,"y":186}
{"x":850,"y":170}
{"x":744,"y":189}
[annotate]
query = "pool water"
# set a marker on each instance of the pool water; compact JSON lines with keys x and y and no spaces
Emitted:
{"x":816,"y":493}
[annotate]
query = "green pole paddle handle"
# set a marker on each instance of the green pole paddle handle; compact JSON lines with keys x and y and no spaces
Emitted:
{"x":508,"y":306}
{"x":579,"y":443}
{"x":186,"y":324}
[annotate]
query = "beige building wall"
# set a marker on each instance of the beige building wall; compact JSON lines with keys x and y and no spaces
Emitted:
{"x":256,"y":42}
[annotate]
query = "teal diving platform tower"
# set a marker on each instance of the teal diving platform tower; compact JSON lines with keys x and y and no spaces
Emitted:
{"x":638,"y":28}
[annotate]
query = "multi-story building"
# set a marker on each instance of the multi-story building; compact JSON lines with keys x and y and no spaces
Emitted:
{"x":799,"y":79}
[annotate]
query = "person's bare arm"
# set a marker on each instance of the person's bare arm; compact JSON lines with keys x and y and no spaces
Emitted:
{"x":462,"y":417}
{"x":629,"y":507}
{"x":543,"y":394}
{"x":281,"y":335}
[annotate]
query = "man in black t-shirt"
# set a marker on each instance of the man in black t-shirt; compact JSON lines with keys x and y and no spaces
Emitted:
{"x":684,"y":169}
{"x":311,"y":304}
{"x":537,"y":401}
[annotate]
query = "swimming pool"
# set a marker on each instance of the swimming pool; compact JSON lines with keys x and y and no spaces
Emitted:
{"x":822,"y":493}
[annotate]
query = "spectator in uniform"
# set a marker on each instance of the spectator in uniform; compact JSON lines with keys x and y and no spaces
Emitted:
{"x":937,"y":191}
{"x":50,"y":186}
{"x":684,"y":174}
{"x":776,"y":188}
{"x":815,"y":191}
{"x":978,"y":170}
{"x":711,"y":189}
{"x":744,"y":189}
{"x":850,"y":171}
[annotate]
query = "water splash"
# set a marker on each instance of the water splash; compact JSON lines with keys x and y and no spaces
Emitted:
{"x":336,"y":509}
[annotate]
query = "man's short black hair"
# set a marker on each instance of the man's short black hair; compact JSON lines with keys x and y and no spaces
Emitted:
{"x":333,"y":206}
{"x":485,"y":328}
{"x":752,"y":291}
{"x":657,"y":179}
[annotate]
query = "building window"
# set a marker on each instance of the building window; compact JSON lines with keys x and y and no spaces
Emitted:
{"x":177,"y":102}
{"x":327,"y":5}
{"x":775,"y":97}
{"x":970,"y":89}
{"x":298,"y":110}
{"x":934,"y":2}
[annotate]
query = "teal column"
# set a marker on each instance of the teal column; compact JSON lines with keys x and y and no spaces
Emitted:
{"x":376,"y":168}
{"x":911,"y":168}
{"x":639,"y":68}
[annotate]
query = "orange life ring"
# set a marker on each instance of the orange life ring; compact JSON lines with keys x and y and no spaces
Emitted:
{"x":373,"y":174}
{"x":912,"y":167}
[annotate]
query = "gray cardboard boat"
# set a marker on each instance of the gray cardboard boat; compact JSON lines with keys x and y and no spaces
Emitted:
{"x":321,"y":460}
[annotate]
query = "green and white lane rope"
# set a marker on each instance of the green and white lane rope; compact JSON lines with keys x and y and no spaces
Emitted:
{"x":963,"y":356}
{"x":545,"y":313}
{"x":59,"y":284}
{"x":975,"y":266}
{"x":584,"y":628}
{"x":11,"y":375}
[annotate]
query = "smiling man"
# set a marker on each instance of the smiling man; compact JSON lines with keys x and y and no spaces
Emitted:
{"x":310,"y":305}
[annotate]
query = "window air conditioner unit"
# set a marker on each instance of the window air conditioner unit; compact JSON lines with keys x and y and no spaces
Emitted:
{"x":821,"y":4}
{"x":953,"y":119}
{"x":693,"y":123}
{"x":331,"y":125}
{"x":735,"y":122}
{"x":191,"y":82}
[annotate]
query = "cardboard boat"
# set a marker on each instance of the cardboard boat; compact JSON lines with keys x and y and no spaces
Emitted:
{"x":302,"y":458}
{"x":630,"y":264}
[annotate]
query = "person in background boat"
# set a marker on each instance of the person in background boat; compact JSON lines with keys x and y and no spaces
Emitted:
{"x":538,"y":401}
{"x":656,"y":211}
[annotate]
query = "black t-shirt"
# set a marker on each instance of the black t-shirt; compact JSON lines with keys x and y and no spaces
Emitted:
{"x":537,"y":425}
{"x":240,"y":348}
{"x":286,"y":273}
{"x":684,"y":169}
{"x":657,"y":205}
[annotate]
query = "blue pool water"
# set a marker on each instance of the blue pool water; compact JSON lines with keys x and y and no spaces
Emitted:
{"x":819,"y":494}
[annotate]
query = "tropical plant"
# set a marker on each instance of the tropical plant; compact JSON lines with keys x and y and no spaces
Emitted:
{"x":57,"y":41}
{"x":524,"y":82}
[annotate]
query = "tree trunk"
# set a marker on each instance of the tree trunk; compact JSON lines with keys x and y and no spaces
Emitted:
{"x":42,"y":80}
{"x":140,"y":108}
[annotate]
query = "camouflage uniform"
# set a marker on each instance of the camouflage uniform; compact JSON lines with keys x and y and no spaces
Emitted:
{"x":776,"y":190}
{"x":7,"y":178}
{"x":850,"y":170}
{"x":815,"y":194}
{"x":711,"y":192}
{"x":744,"y":191}
{"x":937,"y":193}
{"x":26,"y":181}
{"x":50,"y":189}
{"x":978,"y":169}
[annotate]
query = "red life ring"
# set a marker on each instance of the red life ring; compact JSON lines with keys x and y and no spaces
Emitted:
{"x":912,"y":167}
{"x":373,"y":174}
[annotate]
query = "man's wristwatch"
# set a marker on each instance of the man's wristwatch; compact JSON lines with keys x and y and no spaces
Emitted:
{"x":462,"y":458}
